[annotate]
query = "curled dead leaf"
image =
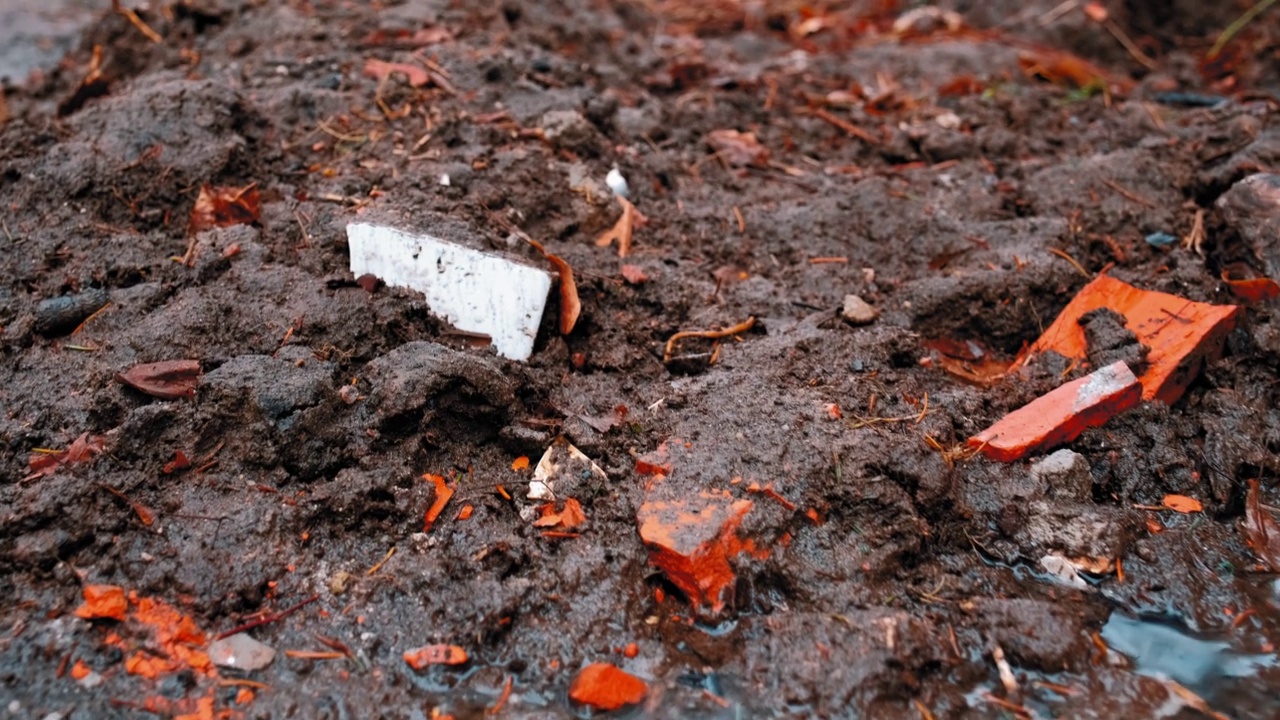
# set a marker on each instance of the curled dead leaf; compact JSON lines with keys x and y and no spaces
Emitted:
{"x":570,"y":305}
{"x":1260,"y":529}
{"x":224,"y":207}
{"x":170,"y":379}
{"x":623,"y":229}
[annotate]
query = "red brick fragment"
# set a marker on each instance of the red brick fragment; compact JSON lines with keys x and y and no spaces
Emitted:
{"x":1181,"y":333}
{"x":692,"y":541}
{"x":1061,"y":415}
{"x":103,"y":602}
{"x":604,"y":687}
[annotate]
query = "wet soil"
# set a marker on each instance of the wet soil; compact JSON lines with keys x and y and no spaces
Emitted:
{"x":892,"y":565}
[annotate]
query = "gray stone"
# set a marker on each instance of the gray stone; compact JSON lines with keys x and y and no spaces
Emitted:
{"x":278,"y":387}
{"x":241,"y":652}
{"x":1066,"y":473}
{"x":1075,"y":530}
{"x":858,"y":311}
{"x":430,"y":380}
{"x":569,"y":129}
{"x":1252,"y":207}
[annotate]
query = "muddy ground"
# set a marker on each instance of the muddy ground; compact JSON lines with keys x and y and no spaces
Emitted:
{"x":892,"y":565}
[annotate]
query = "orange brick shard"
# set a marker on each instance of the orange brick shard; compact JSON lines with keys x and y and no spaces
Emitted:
{"x":691,"y":541}
{"x":102,"y":602}
{"x":1181,"y":333}
{"x":1060,"y":416}
{"x":604,"y":687}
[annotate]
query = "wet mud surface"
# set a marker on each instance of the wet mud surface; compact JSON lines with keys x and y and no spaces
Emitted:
{"x":877,"y":570}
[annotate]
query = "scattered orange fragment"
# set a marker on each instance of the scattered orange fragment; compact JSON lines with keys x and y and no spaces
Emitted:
{"x":567,"y":519}
{"x":443,"y":493}
{"x":631,"y":650}
{"x":103,"y":602}
{"x":1182,"y":504}
{"x":692,"y":541}
{"x":520,"y":463}
{"x":80,"y":671}
{"x":1060,"y":415}
{"x":465,"y":512}
{"x":244,"y":696}
{"x":1181,"y":333}
{"x":603,"y":686}
{"x":435,"y":655}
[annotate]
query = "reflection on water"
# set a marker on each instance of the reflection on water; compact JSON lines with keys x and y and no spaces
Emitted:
{"x":1162,"y":650}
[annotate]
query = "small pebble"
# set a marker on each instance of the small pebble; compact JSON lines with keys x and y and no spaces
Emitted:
{"x":349,"y":394}
{"x":858,"y":311}
{"x":1160,"y":239}
{"x":339,"y":582}
{"x":617,"y":183}
{"x":241,"y":652}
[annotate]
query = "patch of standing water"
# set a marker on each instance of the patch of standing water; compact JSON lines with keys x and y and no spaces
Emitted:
{"x":1160,"y":649}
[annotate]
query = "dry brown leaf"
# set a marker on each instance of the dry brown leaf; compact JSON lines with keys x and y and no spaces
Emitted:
{"x":170,"y":380}
{"x":225,"y":206}
{"x":738,"y":149}
{"x":570,"y":305}
{"x":82,"y":450}
{"x":622,"y":230}
{"x":1260,"y":529}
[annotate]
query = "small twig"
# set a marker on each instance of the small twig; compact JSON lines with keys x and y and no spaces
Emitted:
{"x":269,"y":619}
{"x":1235,"y":27}
{"x":1129,"y":44}
{"x":710,"y":334}
{"x":1079,"y":268}
{"x":314,"y":654}
{"x":144,"y":28}
{"x":1128,"y":194}
{"x":381,"y":562}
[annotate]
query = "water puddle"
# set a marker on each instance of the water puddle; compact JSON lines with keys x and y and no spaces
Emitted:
{"x":1161,"y":649}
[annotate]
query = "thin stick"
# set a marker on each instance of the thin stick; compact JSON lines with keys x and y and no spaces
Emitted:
{"x":1079,"y":268}
{"x":1129,"y":194}
{"x":269,"y":619}
{"x":1129,"y":44}
{"x":1238,"y":25}
{"x":710,"y":334}
{"x":144,"y":28}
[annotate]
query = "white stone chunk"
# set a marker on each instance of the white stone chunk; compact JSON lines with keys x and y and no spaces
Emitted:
{"x":474,"y":291}
{"x":241,"y":652}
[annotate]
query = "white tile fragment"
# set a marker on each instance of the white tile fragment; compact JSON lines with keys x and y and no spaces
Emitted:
{"x":474,"y":291}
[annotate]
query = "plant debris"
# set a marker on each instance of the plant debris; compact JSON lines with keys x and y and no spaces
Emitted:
{"x":570,"y":305}
{"x":83,"y":450}
{"x":622,"y":230}
{"x":1261,"y":530}
{"x":169,"y":380}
